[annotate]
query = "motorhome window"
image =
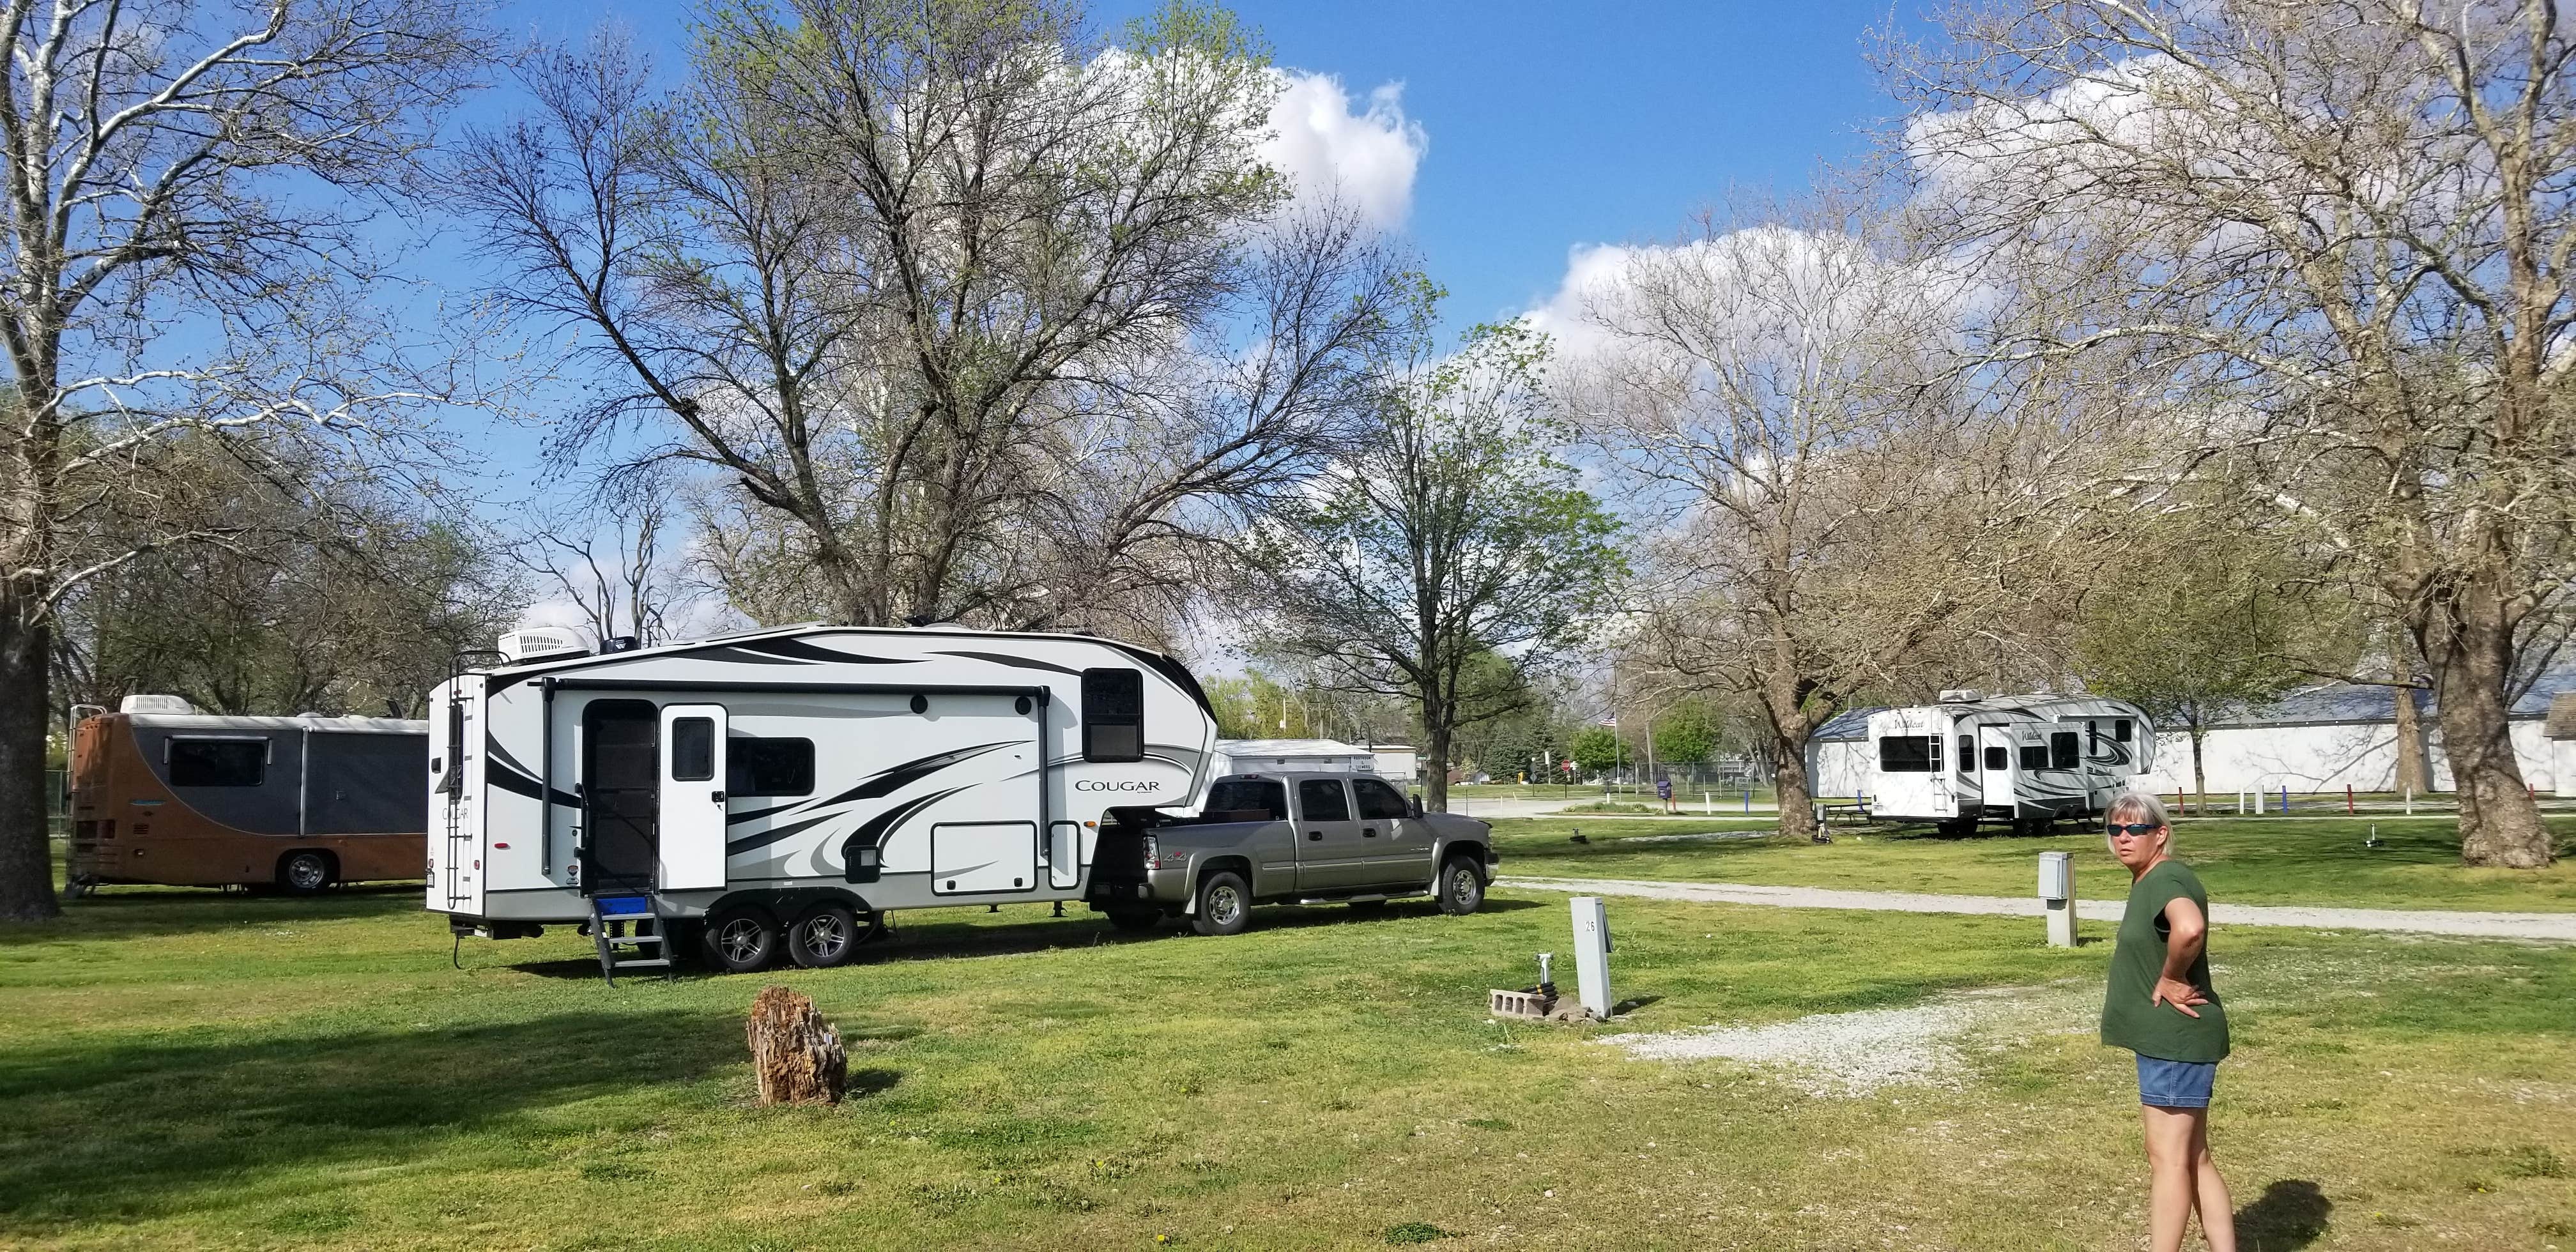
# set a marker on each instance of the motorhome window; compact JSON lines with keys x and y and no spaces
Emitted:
{"x":455,"y":758}
{"x":1376,"y":799}
{"x":1967,"y":754}
{"x":1998,"y":758}
{"x":2034,"y":756}
{"x":1113,"y":715}
{"x":758,"y":766}
{"x":2120,"y":730}
{"x":1905,"y":754}
{"x":1321,"y":800}
{"x":2061,"y":750}
{"x":693,"y":749}
{"x":1250,"y":795}
{"x":218,"y":762}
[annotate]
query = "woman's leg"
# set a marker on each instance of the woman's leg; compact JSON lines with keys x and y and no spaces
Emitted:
{"x":2171,"y":1170}
{"x":2217,"y":1211}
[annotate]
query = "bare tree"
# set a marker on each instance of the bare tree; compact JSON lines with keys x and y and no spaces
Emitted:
{"x":614,"y":559}
{"x":177,"y":263}
{"x":2339,"y":232}
{"x":982,"y":321}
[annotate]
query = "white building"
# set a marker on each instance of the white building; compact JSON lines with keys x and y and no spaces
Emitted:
{"x":2320,"y":739}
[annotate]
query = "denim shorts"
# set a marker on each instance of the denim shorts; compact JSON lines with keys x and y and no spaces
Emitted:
{"x":2175,"y":1084}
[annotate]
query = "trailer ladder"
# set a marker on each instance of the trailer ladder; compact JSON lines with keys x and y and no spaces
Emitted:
{"x":619,"y":929}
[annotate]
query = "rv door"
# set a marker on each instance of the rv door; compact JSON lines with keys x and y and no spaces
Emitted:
{"x":1995,"y":768}
{"x":691,"y":856}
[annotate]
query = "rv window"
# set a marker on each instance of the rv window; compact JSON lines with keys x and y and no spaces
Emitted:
{"x":2120,"y":729}
{"x":1967,"y":754}
{"x":1249,"y":795}
{"x":1998,"y":758}
{"x":1320,"y":800}
{"x":2061,"y":750}
{"x":455,"y":758}
{"x":1113,"y":715}
{"x":756,"y":766}
{"x":1377,"y":800}
{"x":1905,"y":754}
{"x":693,"y":749}
{"x":218,"y":762}
{"x":2034,"y":756}
{"x":2092,"y":736}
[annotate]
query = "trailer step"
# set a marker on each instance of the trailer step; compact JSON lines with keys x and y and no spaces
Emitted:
{"x":626,"y":951}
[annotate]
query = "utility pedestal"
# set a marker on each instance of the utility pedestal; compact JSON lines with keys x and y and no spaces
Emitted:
{"x":1592,"y":956}
{"x":2057,"y":896}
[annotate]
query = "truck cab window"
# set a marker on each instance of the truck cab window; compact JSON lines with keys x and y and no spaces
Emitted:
{"x":760,"y":766}
{"x":1264,"y":796}
{"x":218,"y":762}
{"x":1377,"y":800}
{"x":1113,"y":715}
{"x":1321,"y":800}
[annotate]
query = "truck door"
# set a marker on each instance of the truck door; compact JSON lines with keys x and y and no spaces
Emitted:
{"x":1399,"y":847}
{"x":691,"y":847}
{"x":1995,"y":766}
{"x":1330,"y":851}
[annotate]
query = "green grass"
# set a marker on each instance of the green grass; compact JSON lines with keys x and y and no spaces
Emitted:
{"x":2242,"y":860}
{"x":187,"y":1070}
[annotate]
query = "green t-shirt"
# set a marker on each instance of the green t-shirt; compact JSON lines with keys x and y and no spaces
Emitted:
{"x":2160,"y":1030}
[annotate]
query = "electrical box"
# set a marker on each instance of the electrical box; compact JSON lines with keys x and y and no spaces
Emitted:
{"x":1592,"y":955}
{"x":2056,"y":875}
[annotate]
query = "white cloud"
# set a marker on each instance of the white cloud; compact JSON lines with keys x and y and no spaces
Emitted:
{"x":1367,"y":158}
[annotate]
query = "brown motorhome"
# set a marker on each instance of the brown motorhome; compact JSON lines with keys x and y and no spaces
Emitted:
{"x":164,"y":794}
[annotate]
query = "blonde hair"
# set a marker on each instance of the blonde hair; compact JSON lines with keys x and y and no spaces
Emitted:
{"x":2140,"y":806}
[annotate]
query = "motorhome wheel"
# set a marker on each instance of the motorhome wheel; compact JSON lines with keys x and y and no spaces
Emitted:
{"x":1462,"y":889}
{"x":304,"y":873}
{"x":739,"y":941}
{"x":824,"y":937}
{"x":1225,"y":905}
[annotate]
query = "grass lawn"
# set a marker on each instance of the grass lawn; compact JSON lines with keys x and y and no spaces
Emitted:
{"x":185,"y":1070}
{"x":2243,"y":860}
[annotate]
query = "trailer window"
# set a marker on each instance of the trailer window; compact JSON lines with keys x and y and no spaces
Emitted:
{"x":455,"y":758}
{"x":218,"y":762}
{"x":2034,"y":756}
{"x":1377,"y":800}
{"x":2061,"y":750}
{"x":1321,"y":800}
{"x":1998,"y":758}
{"x":693,"y":749}
{"x":2120,"y":729}
{"x":1250,"y":795}
{"x":1905,"y":754}
{"x":2092,"y":736}
{"x":1967,"y":754}
{"x":759,"y":766}
{"x":1113,"y":715}
{"x":1935,"y":741}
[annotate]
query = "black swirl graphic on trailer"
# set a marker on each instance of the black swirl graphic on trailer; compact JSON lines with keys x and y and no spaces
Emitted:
{"x":881,"y":828}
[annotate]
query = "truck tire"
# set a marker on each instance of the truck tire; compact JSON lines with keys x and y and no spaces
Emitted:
{"x":1225,"y":904}
{"x":1135,"y":920}
{"x":824,"y":937}
{"x":304,"y":873}
{"x":741,"y":940}
{"x":1461,"y":888}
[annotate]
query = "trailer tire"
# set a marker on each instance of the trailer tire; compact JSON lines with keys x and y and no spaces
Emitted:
{"x":305,"y":873}
{"x":1135,"y":920}
{"x":1225,"y":904}
{"x":741,"y":940}
{"x":1462,"y":887}
{"x":824,"y":937}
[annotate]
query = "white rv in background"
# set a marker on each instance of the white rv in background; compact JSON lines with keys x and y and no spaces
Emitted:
{"x":784,"y":787}
{"x":2028,"y":760}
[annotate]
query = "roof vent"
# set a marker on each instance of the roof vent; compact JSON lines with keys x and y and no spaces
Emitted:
{"x":155,"y":704}
{"x":541,"y":643}
{"x":1961,"y":695}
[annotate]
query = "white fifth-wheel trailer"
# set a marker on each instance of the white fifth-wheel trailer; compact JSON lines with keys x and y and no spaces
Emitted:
{"x":2028,"y":760}
{"x":788,"y":786}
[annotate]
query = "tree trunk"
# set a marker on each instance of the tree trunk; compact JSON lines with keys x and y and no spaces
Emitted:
{"x":1435,"y":782}
{"x":2414,"y":773}
{"x":2499,"y":823}
{"x":1795,"y":789}
{"x":26,"y":859}
{"x":2199,"y":782}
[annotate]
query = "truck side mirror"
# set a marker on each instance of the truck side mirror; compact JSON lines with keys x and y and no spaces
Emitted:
{"x":1413,"y":805}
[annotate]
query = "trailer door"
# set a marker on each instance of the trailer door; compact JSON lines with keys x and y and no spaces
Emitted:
{"x":691,"y":856}
{"x":1995,"y":767}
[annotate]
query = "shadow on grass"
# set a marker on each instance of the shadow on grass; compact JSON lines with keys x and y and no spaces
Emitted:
{"x":2290,"y":1215}
{"x":124,"y":913}
{"x":91,"y":1132}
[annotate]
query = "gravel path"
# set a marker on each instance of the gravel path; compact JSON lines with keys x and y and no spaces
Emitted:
{"x":1854,"y":1054}
{"x":2556,"y":926}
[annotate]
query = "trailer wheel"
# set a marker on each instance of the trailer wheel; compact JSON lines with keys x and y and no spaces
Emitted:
{"x":741,"y":940}
{"x":1225,"y":904}
{"x":1136,"y":920}
{"x":1462,"y":889}
{"x":824,"y":937}
{"x":1958,"y":828}
{"x":304,"y":873}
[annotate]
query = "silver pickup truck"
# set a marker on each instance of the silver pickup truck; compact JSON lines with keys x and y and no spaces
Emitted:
{"x":1286,"y":838}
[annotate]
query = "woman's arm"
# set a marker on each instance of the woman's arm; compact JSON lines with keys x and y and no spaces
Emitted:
{"x":2189,"y":930}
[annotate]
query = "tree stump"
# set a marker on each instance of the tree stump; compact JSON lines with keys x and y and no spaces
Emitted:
{"x":799,"y":1058}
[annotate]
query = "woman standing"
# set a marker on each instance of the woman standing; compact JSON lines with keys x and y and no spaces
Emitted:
{"x":2162,"y":1007}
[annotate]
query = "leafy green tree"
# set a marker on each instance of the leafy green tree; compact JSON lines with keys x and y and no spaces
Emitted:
{"x":1686,"y":734}
{"x":1596,"y":749}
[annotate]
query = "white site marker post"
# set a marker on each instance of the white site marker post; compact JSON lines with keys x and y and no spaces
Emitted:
{"x":2057,"y":896}
{"x":1592,"y":955}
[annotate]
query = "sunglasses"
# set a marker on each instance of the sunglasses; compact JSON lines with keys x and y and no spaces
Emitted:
{"x":2132,"y":828}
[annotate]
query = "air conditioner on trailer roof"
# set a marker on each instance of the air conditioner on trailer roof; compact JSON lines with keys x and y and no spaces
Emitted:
{"x":541,"y":643}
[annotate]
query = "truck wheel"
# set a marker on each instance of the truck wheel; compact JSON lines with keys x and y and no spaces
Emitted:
{"x":304,"y":873}
{"x":1462,"y":889}
{"x":740,"y":941}
{"x":1225,"y":904}
{"x":824,"y":937}
{"x":1136,"y":920}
